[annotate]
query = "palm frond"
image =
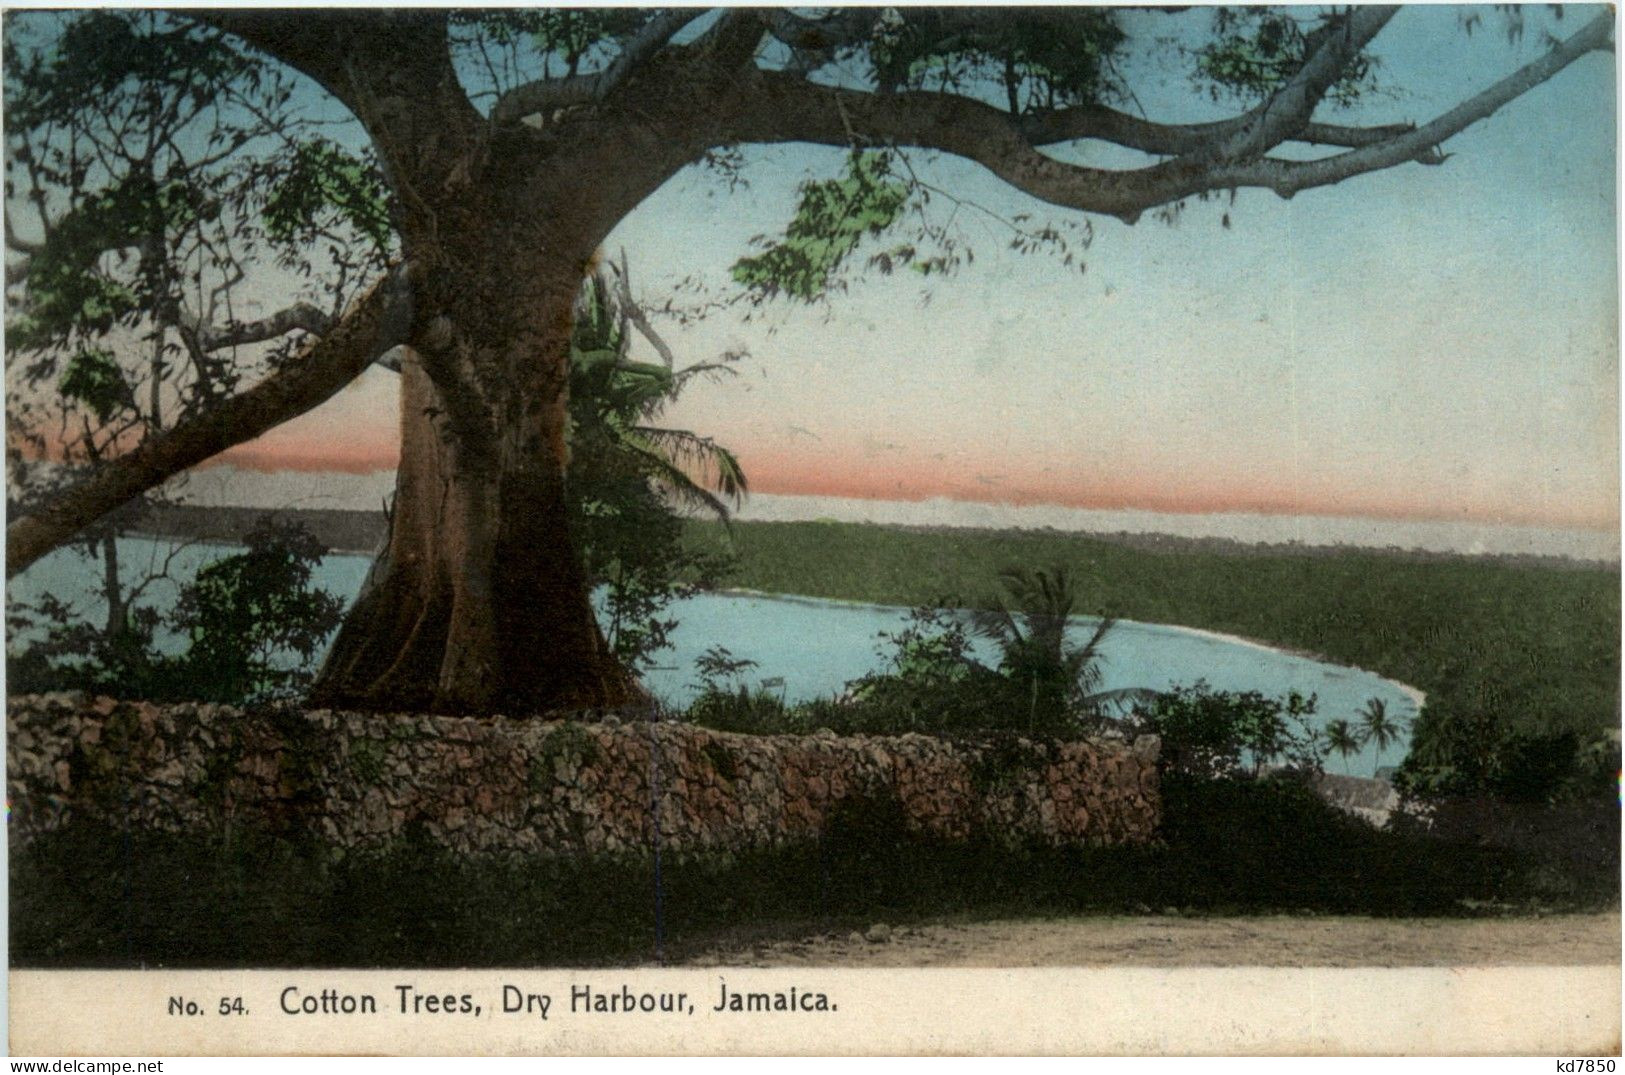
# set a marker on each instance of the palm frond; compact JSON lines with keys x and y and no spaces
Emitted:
{"x":1123,"y":700}
{"x":676,"y":482}
{"x":677,"y":381}
{"x":690,"y":451}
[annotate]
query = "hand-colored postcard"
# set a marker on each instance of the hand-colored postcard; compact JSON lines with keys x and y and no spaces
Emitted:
{"x":1064,"y":529}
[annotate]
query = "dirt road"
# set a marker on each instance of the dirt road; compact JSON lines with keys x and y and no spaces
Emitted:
{"x":1163,"y":941}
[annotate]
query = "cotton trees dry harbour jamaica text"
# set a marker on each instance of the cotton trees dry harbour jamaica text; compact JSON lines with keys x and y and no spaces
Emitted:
{"x":507,"y":147}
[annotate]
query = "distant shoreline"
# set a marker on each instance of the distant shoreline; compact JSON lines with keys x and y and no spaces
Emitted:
{"x":1415,"y":694}
{"x":360,"y":533}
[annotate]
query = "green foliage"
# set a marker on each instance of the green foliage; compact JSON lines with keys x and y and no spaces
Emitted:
{"x":76,"y":655}
{"x":932,"y":681}
{"x":1212,"y":733}
{"x":243,"y":613}
{"x":93,"y":377}
{"x":1255,"y":50}
{"x":626,"y":475}
{"x":101,"y":54}
{"x":1481,"y":755}
{"x":1029,"y":626}
{"x":1041,"y":685}
{"x":746,"y":711}
{"x":318,"y":182}
{"x":68,"y":292}
{"x":1377,"y":727}
{"x":831,"y":218}
{"x":1502,"y":646}
{"x":1040,"y":58}
{"x":1343,"y":739}
{"x":252,"y":623}
{"x":79,"y":86}
{"x":726,"y":703}
{"x":568,"y":36}
{"x":1239,"y":843}
{"x":67,"y":289}
{"x":143,"y":148}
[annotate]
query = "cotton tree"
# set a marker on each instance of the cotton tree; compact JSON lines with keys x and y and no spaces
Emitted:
{"x":510,"y":144}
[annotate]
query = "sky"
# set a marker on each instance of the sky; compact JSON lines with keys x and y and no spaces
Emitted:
{"x":1427,"y":343}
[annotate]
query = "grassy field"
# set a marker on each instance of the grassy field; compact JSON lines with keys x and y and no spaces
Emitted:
{"x":1534,"y":644}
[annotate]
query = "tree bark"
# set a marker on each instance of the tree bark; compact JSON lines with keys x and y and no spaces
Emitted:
{"x":479,"y":603}
{"x":111,"y":585}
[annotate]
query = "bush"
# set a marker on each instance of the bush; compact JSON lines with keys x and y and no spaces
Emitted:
{"x":1476,"y":754}
{"x":254,"y":621}
{"x":1237,"y":843}
{"x":751,"y":712}
{"x":932,"y":682}
{"x":1225,"y":733}
{"x":253,"y":625}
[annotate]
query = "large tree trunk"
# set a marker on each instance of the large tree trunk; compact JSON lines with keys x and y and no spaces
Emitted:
{"x":479,"y":603}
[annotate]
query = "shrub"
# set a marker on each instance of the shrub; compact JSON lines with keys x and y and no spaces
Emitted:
{"x":932,"y":680}
{"x":254,"y":621}
{"x":1224,"y":733}
{"x":741,"y":709}
{"x":253,"y":624}
{"x":1477,"y":754}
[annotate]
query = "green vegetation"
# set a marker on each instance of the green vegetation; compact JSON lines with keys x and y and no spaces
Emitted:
{"x":253,"y":624}
{"x":1510,"y":654}
{"x":1042,"y":685}
{"x":90,"y":897}
{"x":1208,"y":733}
{"x":625,"y":474}
{"x":1230,"y":843}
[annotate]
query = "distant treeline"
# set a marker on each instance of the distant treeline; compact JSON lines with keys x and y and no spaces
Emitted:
{"x":1176,"y":544}
{"x":339,"y":530}
{"x":362,"y":531}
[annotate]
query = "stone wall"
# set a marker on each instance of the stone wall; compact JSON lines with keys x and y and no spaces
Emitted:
{"x":495,"y":785}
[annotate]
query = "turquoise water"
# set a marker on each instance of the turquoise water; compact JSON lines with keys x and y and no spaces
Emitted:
{"x":817,"y":647}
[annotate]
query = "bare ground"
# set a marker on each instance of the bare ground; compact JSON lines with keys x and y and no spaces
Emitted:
{"x":1164,"y":941}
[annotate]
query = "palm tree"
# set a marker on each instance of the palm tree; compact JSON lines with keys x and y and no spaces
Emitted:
{"x":1029,"y":625}
{"x":1378,"y":727}
{"x":1342,"y":738}
{"x":629,"y":478}
{"x":613,"y":400}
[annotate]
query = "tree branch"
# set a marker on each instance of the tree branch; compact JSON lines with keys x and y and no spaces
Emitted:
{"x":302,"y":315}
{"x":546,"y":94}
{"x":392,"y":69}
{"x":333,"y":46}
{"x":1289,"y":108}
{"x":732,"y":42}
{"x":1172,"y":140}
{"x":843,"y":26}
{"x":1421,"y":144}
{"x":376,"y":322}
{"x":783,"y":107}
{"x":18,"y":243}
{"x":634,"y":313}
{"x":18,"y":270}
